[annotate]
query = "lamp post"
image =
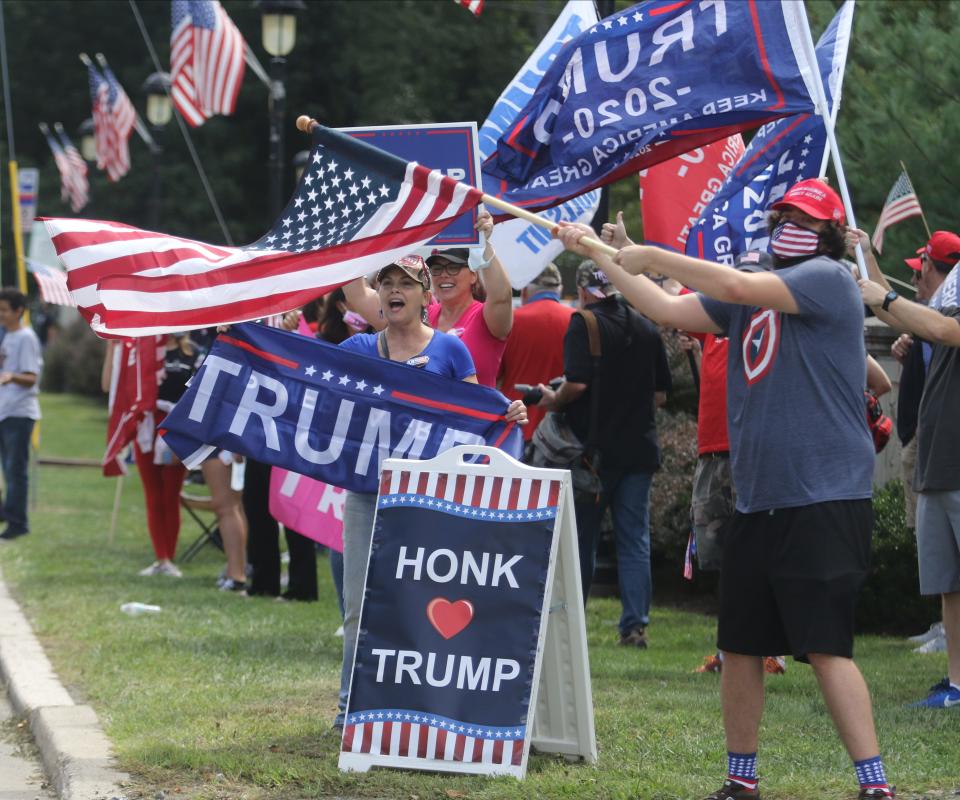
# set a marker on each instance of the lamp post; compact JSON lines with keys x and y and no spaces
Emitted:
{"x":88,"y":143}
{"x":279,"y":32}
{"x":300,"y":161}
{"x":159,"y":113}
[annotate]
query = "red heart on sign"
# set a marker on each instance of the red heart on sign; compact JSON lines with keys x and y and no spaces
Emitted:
{"x":449,"y":618}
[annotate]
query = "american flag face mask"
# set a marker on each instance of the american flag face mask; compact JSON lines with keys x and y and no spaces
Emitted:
{"x":789,"y":240}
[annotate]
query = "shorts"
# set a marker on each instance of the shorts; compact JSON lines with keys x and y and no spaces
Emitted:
{"x":938,"y":541}
{"x":711,"y":507}
{"x":790,"y":579}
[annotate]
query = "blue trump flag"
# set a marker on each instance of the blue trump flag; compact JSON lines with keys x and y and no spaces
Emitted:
{"x":327,"y":413}
{"x":645,"y":84}
{"x":781,"y":154}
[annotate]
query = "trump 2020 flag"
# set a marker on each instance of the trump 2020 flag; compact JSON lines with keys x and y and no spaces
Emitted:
{"x":779,"y":155}
{"x":355,"y":209}
{"x":325,"y":412}
{"x":445,"y":660}
{"x":646,"y":84}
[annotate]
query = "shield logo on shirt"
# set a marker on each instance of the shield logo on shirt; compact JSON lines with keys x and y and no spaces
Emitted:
{"x":760,"y":342}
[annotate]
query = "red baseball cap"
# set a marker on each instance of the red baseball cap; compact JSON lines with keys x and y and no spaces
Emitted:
{"x":915,"y":263}
{"x":815,"y":198}
{"x":944,"y":246}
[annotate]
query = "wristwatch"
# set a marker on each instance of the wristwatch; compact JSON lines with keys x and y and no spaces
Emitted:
{"x":891,"y":296}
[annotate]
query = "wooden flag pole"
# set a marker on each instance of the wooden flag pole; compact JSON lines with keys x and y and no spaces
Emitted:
{"x":922,"y":215}
{"x":306,"y":124}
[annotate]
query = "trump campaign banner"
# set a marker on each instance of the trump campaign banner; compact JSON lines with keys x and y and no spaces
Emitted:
{"x":780,"y":154}
{"x":327,"y":413}
{"x":674,"y":193}
{"x":525,"y":249}
{"x":453,"y":619}
{"x":311,"y":508}
{"x":647,"y":83}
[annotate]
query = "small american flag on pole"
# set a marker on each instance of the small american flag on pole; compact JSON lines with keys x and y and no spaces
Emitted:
{"x":475,"y":7}
{"x":206,"y":60}
{"x":73,"y":180}
{"x":81,"y":182}
{"x":901,"y":203}
{"x":355,"y":209}
{"x":52,"y":283}
{"x":113,"y":119}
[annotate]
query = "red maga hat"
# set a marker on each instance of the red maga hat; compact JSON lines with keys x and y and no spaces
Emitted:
{"x":943,"y":246}
{"x":915,"y":263}
{"x":815,"y":198}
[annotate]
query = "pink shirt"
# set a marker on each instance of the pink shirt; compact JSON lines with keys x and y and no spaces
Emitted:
{"x":472,"y":329}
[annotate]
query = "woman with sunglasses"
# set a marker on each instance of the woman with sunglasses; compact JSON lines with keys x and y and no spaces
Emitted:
{"x":477,"y":311}
{"x":403,"y":290}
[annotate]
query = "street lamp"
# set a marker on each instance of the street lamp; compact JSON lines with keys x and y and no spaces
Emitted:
{"x":300,"y":164}
{"x":88,"y":142}
{"x":159,"y":113}
{"x":279,"y":32}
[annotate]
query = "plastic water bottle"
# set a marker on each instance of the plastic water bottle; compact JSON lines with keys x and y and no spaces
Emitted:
{"x":136,"y":609}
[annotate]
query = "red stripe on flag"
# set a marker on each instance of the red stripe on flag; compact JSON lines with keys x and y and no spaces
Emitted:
{"x":498,"y":751}
{"x":495,"y":492}
{"x":422,"y":744}
{"x":459,"y":744}
{"x":385,"y":477}
{"x":517,"y":756}
{"x":440,"y":746}
{"x":424,"y":401}
{"x":477,"y":490}
{"x":385,"y":737}
{"x":477,"y":750}
{"x":346,"y":743}
{"x":514,"y":493}
{"x":441,"y":489}
{"x":404,"y":486}
{"x":367,"y":733}
{"x":422,"y":483}
{"x":533,"y":501}
{"x":283,"y":362}
{"x":460,"y":487}
{"x":762,"y":49}
{"x":667,"y":9}
{"x":404,"y":739}
{"x":554,"y":496}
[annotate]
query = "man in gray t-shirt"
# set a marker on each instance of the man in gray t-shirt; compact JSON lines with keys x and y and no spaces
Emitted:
{"x":20,"y":365}
{"x":797,"y":549}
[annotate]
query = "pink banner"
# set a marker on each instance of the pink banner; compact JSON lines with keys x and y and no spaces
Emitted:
{"x":306,"y":506}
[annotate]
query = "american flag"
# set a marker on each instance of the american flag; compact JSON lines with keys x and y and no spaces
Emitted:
{"x":52,"y":283}
{"x":113,"y":119}
{"x":206,"y":60}
{"x":73,"y":180}
{"x":79,"y":170}
{"x":901,"y":203}
{"x":475,"y":7}
{"x":419,"y":735}
{"x":355,"y":209}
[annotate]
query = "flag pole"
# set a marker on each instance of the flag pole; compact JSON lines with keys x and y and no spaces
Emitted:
{"x":306,"y":124}
{"x":922,"y":215}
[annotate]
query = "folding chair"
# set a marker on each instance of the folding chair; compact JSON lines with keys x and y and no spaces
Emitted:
{"x":210,"y":531}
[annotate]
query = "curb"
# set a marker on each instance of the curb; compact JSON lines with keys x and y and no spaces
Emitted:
{"x":75,"y":751}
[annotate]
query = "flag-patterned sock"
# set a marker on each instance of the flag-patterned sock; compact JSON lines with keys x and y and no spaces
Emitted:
{"x":742,"y":768}
{"x":871,"y":775}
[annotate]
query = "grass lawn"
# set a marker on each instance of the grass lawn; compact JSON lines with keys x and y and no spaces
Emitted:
{"x":225,"y":697}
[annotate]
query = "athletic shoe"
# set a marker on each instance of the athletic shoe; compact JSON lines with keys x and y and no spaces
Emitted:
{"x":948,"y":697}
{"x":710,"y":664}
{"x":10,"y":533}
{"x":774,"y":665}
{"x":922,"y":638}
{"x":731,"y":790}
{"x":877,"y":792}
{"x":943,"y":683}
{"x":634,"y":638}
{"x":153,"y":569}
{"x":230,"y":585}
{"x":938,"y":644}
{"x":169,"y":568}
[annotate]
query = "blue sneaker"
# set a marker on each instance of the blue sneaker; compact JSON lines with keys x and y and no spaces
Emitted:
{"x":940,"y":697}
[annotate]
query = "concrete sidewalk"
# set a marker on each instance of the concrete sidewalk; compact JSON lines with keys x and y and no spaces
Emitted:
{"x":75,"y":752}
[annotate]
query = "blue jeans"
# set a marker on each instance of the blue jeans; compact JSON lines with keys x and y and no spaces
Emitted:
{"x":628,"y":495}
{"x":15,"y":457}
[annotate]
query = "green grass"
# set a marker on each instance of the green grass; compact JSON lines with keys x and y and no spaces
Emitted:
{"x":224,"y":697}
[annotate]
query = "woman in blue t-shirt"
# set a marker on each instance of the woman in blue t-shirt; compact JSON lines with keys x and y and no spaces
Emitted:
{"x":404,"y":291}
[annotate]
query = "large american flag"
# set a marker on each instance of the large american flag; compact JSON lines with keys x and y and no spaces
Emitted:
{"x":73,"y":178}
{"x":355,"y":209}
{"x":113,"y":119}
{"x":901,"y":203}
{"x":206,"y":60}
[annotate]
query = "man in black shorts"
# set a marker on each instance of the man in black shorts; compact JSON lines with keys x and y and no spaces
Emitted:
{"x":802,"y":459}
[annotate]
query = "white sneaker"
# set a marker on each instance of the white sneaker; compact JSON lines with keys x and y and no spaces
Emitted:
{"x":938,"y":644}
{"x":169,"y":568}
{"x":153,"y":569}
{"x":339,"y":632}
{"x":922,"y":638}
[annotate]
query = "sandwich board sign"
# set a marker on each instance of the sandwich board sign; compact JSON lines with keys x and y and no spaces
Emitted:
{"x":472,"y":644}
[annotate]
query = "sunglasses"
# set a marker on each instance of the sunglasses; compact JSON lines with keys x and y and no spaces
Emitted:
{"x":451,"y":269}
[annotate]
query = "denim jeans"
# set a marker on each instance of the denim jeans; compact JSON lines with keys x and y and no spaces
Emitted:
{"x":628,"y":495}
{"x":14,"y":457}
{"x":358,"y":513}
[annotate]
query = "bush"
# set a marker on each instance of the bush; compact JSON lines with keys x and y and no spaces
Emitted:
{"x":72,"y":362}
{"x":890,"y":601}
{"x":672,"y":486}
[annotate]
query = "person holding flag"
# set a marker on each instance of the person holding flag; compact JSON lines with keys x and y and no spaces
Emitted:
{"x":798,"y":547}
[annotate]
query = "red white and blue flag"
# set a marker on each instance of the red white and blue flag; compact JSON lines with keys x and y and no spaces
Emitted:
{"x":901,"y":203}
{"x":454,"y":594}
{"x":206,"y":60}
{"x":475,"y":7}
{"x":355,"y":210}
{"x":74,"y":187}
{"x":113,"y":119}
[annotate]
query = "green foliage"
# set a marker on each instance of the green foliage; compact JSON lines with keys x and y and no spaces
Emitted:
{"x":672,"y":486}
{"x":73,"y":361}
{"x":890,"y":601}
